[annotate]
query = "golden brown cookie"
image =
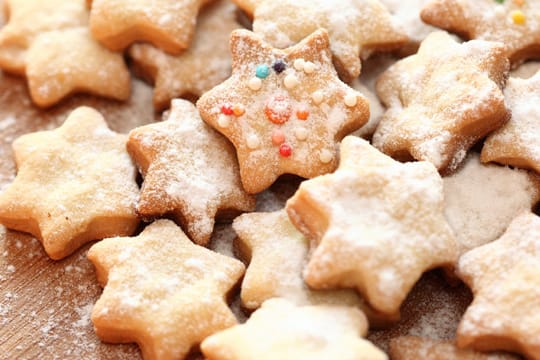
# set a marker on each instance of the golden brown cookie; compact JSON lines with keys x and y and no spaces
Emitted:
{"x":281,"y":330}
{"x":190,"y":172}
{"x":482,"y":199}
{"x":74,"y":184}
{"x":503,"y":276}
{"x":26,"y":19}
{"x":63,"y":62}
{"x":167,"y":24}
{"x":161,"y":291}
{"x":516,"y":23}
{"x":518,"y":142}
{"x":205,"y":64}
{"x":375,"y":225}
{"x":442,"y":100}
{"x":277,"y":253}
{"x":414,"y":348}
{"x":356,"y":28}
{"x":284,"y":110}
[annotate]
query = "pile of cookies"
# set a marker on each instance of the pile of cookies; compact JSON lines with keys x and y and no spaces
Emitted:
{"x":351,"y":146}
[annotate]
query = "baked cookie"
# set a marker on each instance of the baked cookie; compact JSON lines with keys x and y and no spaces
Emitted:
{"x":516,"y":23}
{"x":190,"y":172}
{"x":284,"y":110}
{"x":281,"y":330}
{"x":482,"y":199}
{"x":84,"y":181}
{"x":503,"y":276}
{"x":442,"y":100}
{"x":356,"y":28}
{"x":277,"y":253}
{"x":28,"y":18}
{"x":414,"y":348}
{"x":161,"y":291}
{"x":375,"y":225}
{"x":205,"y":64}
{"x":63,"y":62}
{"x":518,"y":142}
{"x":167,"y":24}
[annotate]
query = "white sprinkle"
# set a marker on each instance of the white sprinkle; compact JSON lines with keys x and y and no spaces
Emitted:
{"x":317,"y":97}
{"x":255,"y":83}
{"x":325,"y":156}
{"x":351,"y":99}
{"x":299,"y":64}
{"x":301,"y":133}
{"x":309,"y":67}
{"x":252,"y":142}
{"x":291,"y":81}
{"x":224,"y":120}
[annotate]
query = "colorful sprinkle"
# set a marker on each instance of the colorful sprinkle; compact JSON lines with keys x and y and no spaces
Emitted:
{"x":285,"y":150}
{"x":317,"y":97}
{"x":519,"y":2}
{"x":325,"y":156}
{"x":351,"y":99}
{"x":227,"y":109}
{"x":291,"y":81}
{"x":252,"y":142}
{"x":278,"y":109}
{"x":518,"y":17}
{"x":299,"y":64}
{"x":279,"y":66}
{"x":309,"y":67}
{"x":301,"y":133}
{"x":238,"y":109}
{"x":278,"y":137}
{"x":302,"y":113}
{"x":223,"y":120}
{"x":262,"y":71}
{"x":255,"y":83}
{"x":499,"y":1}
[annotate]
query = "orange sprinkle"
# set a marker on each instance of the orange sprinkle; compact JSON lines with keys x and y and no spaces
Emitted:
{"x":278,"y":137}
{"x":238,"y":110}
{"x":519,"y":2}
{"x":302,"y":114}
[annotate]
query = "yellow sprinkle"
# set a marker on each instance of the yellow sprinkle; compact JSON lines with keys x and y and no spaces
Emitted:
{"x":518,"y":17}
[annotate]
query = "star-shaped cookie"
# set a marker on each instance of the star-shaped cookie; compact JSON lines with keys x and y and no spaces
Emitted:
{"x":205,"y":64}
{"x":29,"y":18}
{"x":518,"y":142}
{"x":277,"y":253}
{"x":284,"y":110}
{"x":167,"y":24}
{"x":281,"y":330}
{"x":503,"y":276}
{"x":161,"y":291}
{"x":190,"y":172}
{"x":516,"y":23}
{"x":74,"y":184}
{"x":375,"y":225}
{"x":356,"y":27}
{"x":442,"y":100}
{"x":63,"y":62}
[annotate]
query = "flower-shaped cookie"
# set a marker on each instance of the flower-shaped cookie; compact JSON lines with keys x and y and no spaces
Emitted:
{"x":74,"y":184}
{"x":375,"y":224}
{"x":284,"y":110}
{"x":442,"y":100}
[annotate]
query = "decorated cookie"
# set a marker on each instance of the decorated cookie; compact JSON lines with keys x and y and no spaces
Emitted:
{"x":284,"y":110}
{"x":516,"y":23}
{"x":518,"y":142}
{"x":281,"y":330}
{"x":29,"y":18}
{"x":63,"y":62}
{"x":161,"y":291}
{"x":375,"y":225}
{"x":503,"y":277}
{"x":74,"y":184}
{"x":204,"y":65}
{"x":190,"y":172}
{"x":167,"y":24}
{"x":442,"y":100}
{"x":356,"y":28}
{"x":414,"y":348}
{"x":482,"y":199}
{"x":277,"y":253}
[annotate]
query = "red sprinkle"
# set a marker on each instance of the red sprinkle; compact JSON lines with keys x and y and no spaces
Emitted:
{"x":227,"y":109}
{"x":285,"y":150}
